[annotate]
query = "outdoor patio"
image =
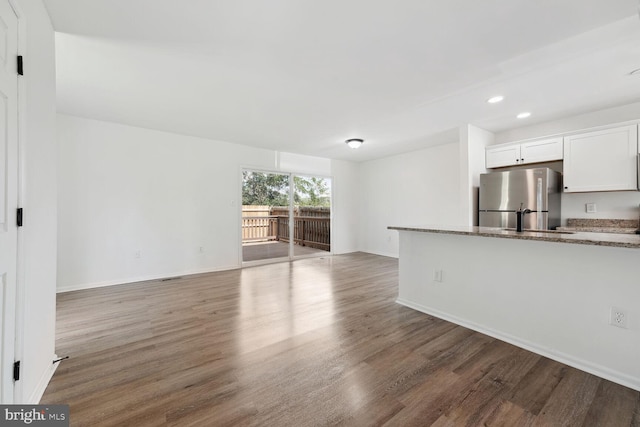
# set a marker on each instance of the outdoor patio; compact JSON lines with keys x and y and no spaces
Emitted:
{"x":266,"y":232}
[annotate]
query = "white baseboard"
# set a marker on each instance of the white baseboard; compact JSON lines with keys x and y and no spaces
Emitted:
{"x":387,"y":254}
{"x":583,"y":365}
{"x":81,"y":286}
{"x":123,"y":281}
{"x":38,"y":392}
{"x":78,"y":287}
{"x":346,"y":252}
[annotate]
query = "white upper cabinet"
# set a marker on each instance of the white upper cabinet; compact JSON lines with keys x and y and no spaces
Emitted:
{"x":501,"y":155}
{"x":544,"y":150}
{"x":604,"y":160}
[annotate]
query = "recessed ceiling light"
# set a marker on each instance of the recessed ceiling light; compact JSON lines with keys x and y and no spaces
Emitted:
{"x":523,"y":115}
{"x":354,"y":142}
{"x":495,"y":99}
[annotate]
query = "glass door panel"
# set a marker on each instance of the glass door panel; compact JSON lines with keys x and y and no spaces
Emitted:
{"x":311,"y":215}
{"x":265,"y":216}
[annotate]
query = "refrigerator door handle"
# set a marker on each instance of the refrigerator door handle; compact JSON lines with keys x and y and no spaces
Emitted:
{"x":540,"y":224}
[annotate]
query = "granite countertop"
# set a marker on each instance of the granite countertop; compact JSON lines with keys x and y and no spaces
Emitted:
{"x":618,"y":226}
{"x":581,"y":238}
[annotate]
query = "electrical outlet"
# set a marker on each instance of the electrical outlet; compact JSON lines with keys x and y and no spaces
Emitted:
{"x":201,"y":249}
{"x":138,"y":254}
{"x":590,"y":208}
{"x":618,"y":317}
{"x":437,"y":275}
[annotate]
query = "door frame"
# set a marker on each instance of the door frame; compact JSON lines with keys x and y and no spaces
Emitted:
{"x":291,"y":256}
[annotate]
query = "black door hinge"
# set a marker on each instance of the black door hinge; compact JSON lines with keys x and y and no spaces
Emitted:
{"x":19,"y":217}
{"x":16,"y":371}
{"x":20,"y":66}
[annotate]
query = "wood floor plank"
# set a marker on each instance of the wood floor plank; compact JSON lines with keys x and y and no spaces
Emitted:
{"x":505,"y":367}
{"x":508,"y":414}
{"x":374,"y":413}
{"x":534,"y":390}
{"x":314,"y":342}
{"x":612,"y":404}
{"x":570,"y":400}
{"x":425,"y":403}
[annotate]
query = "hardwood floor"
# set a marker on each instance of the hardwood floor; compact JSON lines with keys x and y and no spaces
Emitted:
{"x":269,"y":250}
{"x":318,"y":341}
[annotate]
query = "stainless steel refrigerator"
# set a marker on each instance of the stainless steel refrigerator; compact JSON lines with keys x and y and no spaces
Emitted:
{"x":503,"y":193}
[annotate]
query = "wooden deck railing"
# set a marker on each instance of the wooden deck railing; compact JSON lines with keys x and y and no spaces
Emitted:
{"x":255,"y":228}
{"x":309,"y":231}
{"x":312,"y":231}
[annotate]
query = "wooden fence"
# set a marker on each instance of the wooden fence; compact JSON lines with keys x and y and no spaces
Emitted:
{"x":311,"y":227}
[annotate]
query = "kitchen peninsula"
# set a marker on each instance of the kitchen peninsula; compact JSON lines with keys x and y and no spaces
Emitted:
{"x":548,"y":292}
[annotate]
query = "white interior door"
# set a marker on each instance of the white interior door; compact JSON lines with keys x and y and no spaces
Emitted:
{"x":8,"y":194}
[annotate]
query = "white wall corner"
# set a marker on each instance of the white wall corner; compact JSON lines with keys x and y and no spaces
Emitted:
{"x":41,"y":387}
{"x":464,"y":175}
{"x":473,"y":141}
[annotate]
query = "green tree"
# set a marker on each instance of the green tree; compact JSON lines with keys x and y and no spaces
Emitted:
{"x":270,"y":189}
{"x":312,"y":191}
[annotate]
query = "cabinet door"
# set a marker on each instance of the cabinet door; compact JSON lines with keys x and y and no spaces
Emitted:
{"x":541,"y":151}
{"x":601,"y":161}
{"x":496,"y":157}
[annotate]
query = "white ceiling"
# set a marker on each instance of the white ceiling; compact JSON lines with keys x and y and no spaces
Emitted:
{"x":302,"y":76}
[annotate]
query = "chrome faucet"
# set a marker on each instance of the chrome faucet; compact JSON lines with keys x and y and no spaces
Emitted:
{"x":520,"y":213}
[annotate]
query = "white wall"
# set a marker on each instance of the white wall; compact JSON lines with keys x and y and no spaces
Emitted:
{"x":38,"y":236}
{"x":125,"y":190}
{"x":346,"y":206}
{"x":420,"y":187}
{"x":473,"y":141}
{"x":615,"y":204}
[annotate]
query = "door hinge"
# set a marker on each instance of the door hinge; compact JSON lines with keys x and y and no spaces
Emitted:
{"x":16,"y":371}
{"x":20,"y":66}
{"x":19,"y":217}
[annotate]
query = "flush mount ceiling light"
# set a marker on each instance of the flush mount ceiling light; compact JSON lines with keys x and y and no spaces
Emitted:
{"x":523,"y":115}
{"x":354,"y":142}
{"x":495,"y":99}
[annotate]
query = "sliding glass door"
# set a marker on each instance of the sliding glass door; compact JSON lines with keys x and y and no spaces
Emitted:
{"x":312,"y":215}
{"x":265,"y":215}
{"x":284,"y":216}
